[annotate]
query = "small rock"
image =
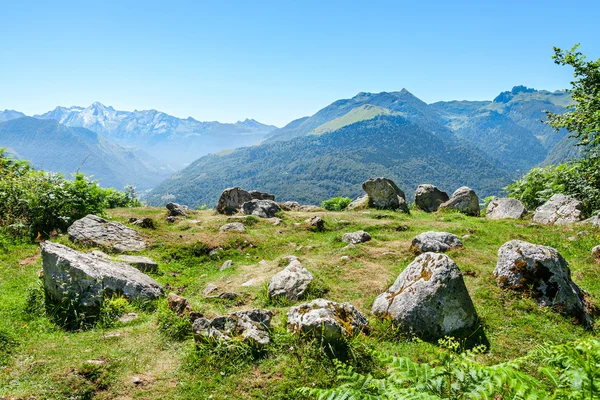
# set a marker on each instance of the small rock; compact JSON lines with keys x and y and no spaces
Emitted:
{"x":290,"y":283}
{"x":136,"y":380}
{"x":128,"y":317}
{"x":261,"y":208}
{"x":226,"y":264}
{"x":176,"y":210}
{"x":229,"y":295}
{"x":251,"y":282}
{"x":429,"y":198}
{"x":350,"y":246}
{"x":356,"y":237}
{"x":145,"y":222}
{"x":437,"y":242}
{"x":596,"y":254}
{"x":179,"y":305}
{"x":215,"y":252}
{"x":233,"y":226}
{"x":251,"y":326}
{"x":345,"y":258}
{"x":171,"y":219}
{"x":211,"y":287}
{"x":277,"y":221}
{"x":316,"y":223}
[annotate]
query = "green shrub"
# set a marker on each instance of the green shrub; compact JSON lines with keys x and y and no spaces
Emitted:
{"x":336,"y":203}
{"x":171,"y":326}
{"x":112,"y":309}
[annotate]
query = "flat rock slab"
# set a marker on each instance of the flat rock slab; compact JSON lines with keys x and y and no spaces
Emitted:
{"x":233,"y":226}
{"x":95,"y":231}
{"x":290,"y":283}
{"x":505,"y":208}
{"x":559,"y":210}
{"x":437,"y":242}
{"x":251,"y":326}
{"x":429,"y":299}
{"x":72,"y":274}
{"x":144,"y":264}
{"x":326,"y":320}
{"x":356,"y":237}
{"x":543,"y":272}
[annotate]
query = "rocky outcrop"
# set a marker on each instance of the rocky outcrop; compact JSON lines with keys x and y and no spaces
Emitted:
{"x":463,"y":200}
{"x":359,"y":203}
{"x":523,"y":266}
{"x":290,"y":283}
{"x":232,"y":199}
{"x":176,"y":210}
{"x":326,"y":320}
{"x":505,"y":208}
{"x":384,"y":194}
{"x":261,"y":208}
{"x":88,"y":279}
{"x":95,"y":231}
{"x":144,"y":264}
{"x":356,"y":237}
{"x":429,"y":198}
{"x":437,"y":242}
{"x":251,"y":326}
{"x":559,"y":210}
{"x":233,"y":226}
{"x":429,"y":299}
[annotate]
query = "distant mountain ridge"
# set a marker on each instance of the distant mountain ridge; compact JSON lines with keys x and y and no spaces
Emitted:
{"x":55,"y":147}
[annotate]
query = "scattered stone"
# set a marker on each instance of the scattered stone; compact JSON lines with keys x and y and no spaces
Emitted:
{"x":316,"y":223}
{"x":176,"y":210}
{"x":145,"y":222}
{"x":290,"y":206}
{"x":350,"y":246}
{"x":229,"y":295}
{"x":261,"y":208}
{"x":359,"y":203}
{"x":384,"y":194}
{"x":144,"y":264}
{"x":211,"y":287}
{"x":326,"y":320}
{"x":429,"y":299}
{"x":95,"y":231}
{"x":179,"y":305}
{"x":437,"y":242}
{"x":137,"y":380}
{"x":215,"y":252}
{"x":505,"y":208}
{"x":345,"y":258}
{"x":429,"y":198}
{"x":128,"y":317}
{"x":171,"y":219}
{"x":594,"y":221}
{"x":226,"y":264}
{"x":559,"y":210}
{"x":290,"y":283}
{"x":71,"y":274}
{"x":463,"y":200}
{"x":524,"y":266}
{"x":277,"y":221}
{"x":233,"y":226}
{"x":232,"y":199}
{"x":402,"y":228}
{"x":251,"y":282}
{"x":596,"y":254}
{"x":356,"y":237}
{"x":252,"y":326}
{"x":95,"y":362}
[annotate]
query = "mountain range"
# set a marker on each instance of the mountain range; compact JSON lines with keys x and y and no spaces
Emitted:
{"x":482,"y":144}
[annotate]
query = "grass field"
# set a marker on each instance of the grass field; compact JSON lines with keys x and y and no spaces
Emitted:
{"x":155,"y":355}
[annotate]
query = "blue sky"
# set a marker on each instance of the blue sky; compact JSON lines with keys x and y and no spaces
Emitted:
{"x":279,"y":60}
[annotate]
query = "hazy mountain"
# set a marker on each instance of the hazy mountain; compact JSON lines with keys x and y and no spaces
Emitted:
{"x":7,"y":115}
{"x":170,"y":139}
{"x":312,"y":168}
{"x":563,"y":151}
{"x":54,"y":147}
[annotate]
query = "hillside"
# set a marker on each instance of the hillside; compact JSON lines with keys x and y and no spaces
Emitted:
{"x":154,"y":355}
{"x":170,"y":139}
{"x":313,"y":168}
{"x":54,"y":147}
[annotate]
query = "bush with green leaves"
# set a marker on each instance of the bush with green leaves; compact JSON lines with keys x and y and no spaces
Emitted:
{"x":336,"y":203}
{"x":36,"y":202}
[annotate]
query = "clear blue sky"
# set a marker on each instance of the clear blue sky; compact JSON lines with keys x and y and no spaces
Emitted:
{"x":279,"y":60}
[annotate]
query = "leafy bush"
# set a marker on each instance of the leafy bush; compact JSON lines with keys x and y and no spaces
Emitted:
{"x":36,"y":202}
{"x":580,"y":179}
{"x":336,"y":203}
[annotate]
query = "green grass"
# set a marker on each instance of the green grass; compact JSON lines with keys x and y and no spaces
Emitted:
{"x":39,"y":360}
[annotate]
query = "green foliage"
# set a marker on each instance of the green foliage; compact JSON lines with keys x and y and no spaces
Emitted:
{"x":583,"y":119}
{"x":7,"y":343}
{"x":171,"y":326}
{"x":578,"y":178}
{"x":36,"y":203}
{"x":336,"y":203}
{"x":112,"y":309}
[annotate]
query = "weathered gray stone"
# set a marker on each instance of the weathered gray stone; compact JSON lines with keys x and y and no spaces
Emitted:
{"x":559,"y":210}
{"x":429,"y":198}
{"x":437,"y":242}
{"x":179,"y":305}
{"x":88,"y":279}
{"x":95,"y":231}
{"x":596,"y":254}
{"x":176,"y":210}
{"x":523,"y":266}
{"x":290,"y":283}
{"x":326,"y":320}
{"x":429,"y":299}
{"x":145,"y":222}
{"x":316,"y":223}
{"x":594,"y":221}
{"x":211,"y":287}
{"x":505,"y":208}
{"x":252,"y":326}
{"x":356,"y":237}
{"x":233,"y":226}
{"x":359,"y":203}
{"x":226,"y":264}
{"x":144,"y":264}
{"x":384,"y":194}
{"x":255,"y":194}
{"x":463,"y":200}
{"x":261,"y":208}
{"x":232,"y":199}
